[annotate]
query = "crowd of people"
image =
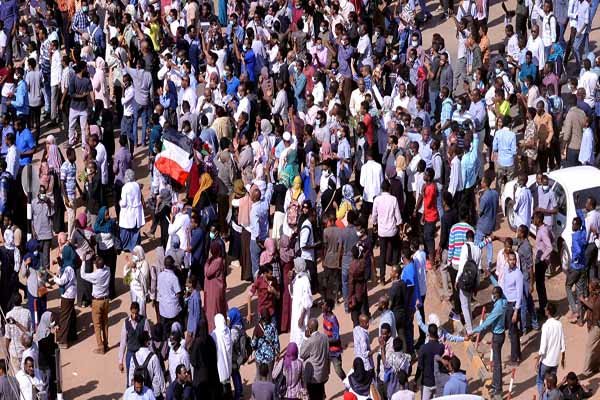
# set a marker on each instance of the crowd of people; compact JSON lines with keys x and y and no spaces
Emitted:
{"x":315,"y":148}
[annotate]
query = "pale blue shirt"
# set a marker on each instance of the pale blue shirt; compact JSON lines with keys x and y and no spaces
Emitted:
{"x":512,"y":286}
{"x":130,"y":394}
{"x":523,"y":202}
{"x":469,"y":164}
{"x":477,"y":110}
{"x":168,"y":289}
{"x":259,"y":216}
{"x":505,"y":144}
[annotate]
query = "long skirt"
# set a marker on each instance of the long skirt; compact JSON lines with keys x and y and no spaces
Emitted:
{"x":235,"y":244}
{"x":129,"y":238}
{"x":245,"y":258}
{"x":67,"y":332}
{"x":592,"y":355}
{"x":286,"y":299}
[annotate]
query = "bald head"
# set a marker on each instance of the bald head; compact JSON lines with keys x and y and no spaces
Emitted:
{"x":313,"y":325}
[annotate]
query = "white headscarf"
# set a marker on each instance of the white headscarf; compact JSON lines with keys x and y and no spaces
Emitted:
{"x":9,"y":243}
{"x":44,"y":326}
{"x":222,"y":337}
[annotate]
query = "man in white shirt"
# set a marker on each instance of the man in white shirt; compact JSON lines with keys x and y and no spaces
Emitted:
{"x":549,"y":24}
{"x":536,"y":46}
{"x":512,"y":45}
{"x":30,"y":382}
{"x":588,"y":81}
{"x":145,"y":358}
{"x":357,"y":97}
{"x":552,"y":347}
{"x":128,"y":102}
{"x":455,"y":183}
{"x":581,"y":30}
{"x":387,"y":219}
{"x":244,"y":104}
{"x":469,"y":251}
{"x":363,"y":47}
{"x":101,"y":158}
{"x":177,"y":354}
{"x":56,"y":69}
{"x":371,"y":177}
{"x":12,"y":156}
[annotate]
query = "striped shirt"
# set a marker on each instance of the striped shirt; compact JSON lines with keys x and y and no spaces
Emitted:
{"x":457,"y":237}
{"x":331,"y":327}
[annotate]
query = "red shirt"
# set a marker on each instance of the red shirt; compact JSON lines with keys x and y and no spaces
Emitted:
{"x":369,"y":134}
{"x":430,"y":211}
{"x":266,"y":300}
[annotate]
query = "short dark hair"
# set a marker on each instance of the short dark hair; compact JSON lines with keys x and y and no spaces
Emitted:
{"x":263,"y":370}
{"x":551,"y":308}
{"x":134,"y":306}
{"x":455,"y":363}
{"x":432,"y":331}
{"x":138,"y":378}
{"x":386,"y":326}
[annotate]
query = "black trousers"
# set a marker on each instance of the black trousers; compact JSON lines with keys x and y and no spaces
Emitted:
{"x":311,"y":267}
{"x":389,"y":247}
{"x":497,"y":342}
{"x":591,"y":257}
{"x":514,"y":333}
{"x":332,"y":277}
{"x":316,"y":391}
{"x":540,"y":283}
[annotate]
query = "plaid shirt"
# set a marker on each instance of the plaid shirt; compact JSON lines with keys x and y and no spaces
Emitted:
{"x":23,"y":317}
{"x":45,"y":58}
{"x":68,"y":175}
{"x":80,"y":23}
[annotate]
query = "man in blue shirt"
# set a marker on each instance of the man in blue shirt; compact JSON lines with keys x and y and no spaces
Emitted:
{"x":486,"y":211}
{"x":9,"y":11}
{"x":25,"y":142}
{"x":21,"y":100}
{"x":505,"y":149}
{"x":528,"y":68}
{"x":259,"y":222}
{"x":495,"y":321}
{"x":576,"y":273}
{"x":410,"y":277}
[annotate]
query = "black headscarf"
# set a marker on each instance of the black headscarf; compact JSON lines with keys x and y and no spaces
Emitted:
{"x":360,"y":379}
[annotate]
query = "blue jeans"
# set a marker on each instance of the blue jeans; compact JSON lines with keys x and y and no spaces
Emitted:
{"x":47,"y":94}
{"x":142,"y":112}
{"x":255,"y":257}
{"x":539,"y":380}
{"x":424,"y":9}
{"x":580,"y":40}
{"x":237,"y":384}
{"x":433,"y":98}
{"x":128,"y":356}
{"x":528,"y":308}
{"x":489,"y":248}
{"x":127,"y":129}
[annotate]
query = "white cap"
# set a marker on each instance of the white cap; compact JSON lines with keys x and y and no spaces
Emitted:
{"x":287,"y":136}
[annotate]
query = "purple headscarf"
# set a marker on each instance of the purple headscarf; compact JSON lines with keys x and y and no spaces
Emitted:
{"x":291,"y":355}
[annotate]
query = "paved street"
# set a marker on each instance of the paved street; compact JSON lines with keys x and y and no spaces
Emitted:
{"x":95,"y":377}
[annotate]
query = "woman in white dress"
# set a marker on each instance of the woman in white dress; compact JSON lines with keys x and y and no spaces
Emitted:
{"x":131,"y":216}
{"x":301,"y":302}
{"x":137,"y":274}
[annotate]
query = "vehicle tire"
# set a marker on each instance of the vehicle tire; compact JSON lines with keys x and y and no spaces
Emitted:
{"x":565,"y":255}
{"x":510,"y":214}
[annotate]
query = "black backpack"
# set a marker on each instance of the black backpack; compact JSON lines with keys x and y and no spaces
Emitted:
{"x":143,"y":369}
{"x":468,"y":278}
{"x":242,"y":349}
{"x":280,"y":386}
